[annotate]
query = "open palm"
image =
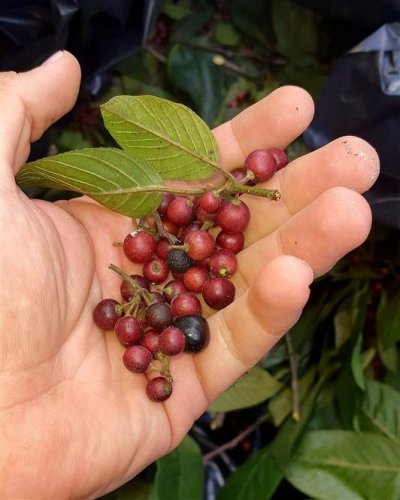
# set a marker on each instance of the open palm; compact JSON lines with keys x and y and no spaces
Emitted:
{"x":75,"y":422}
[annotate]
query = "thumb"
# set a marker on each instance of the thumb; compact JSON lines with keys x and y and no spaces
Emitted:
{"x":30,"y":103}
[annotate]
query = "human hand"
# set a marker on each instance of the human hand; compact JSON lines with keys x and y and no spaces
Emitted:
{"x":75,"y":422}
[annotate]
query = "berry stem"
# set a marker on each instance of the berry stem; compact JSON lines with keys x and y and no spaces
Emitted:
{"x":172,"y":240}
{"x":138,"y":290}
{"x":164,"y":360}
{"x":233,"y":188}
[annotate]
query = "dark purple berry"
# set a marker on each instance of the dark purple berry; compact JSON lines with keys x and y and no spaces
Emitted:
{"x":196,"y":331}
{"x":157,"y":297}
{"x":126,"y":289}
{"x":128,"y":330}
{"x":178,"y":261}
{"x":137,"y":358}
{"x":218,"y":293}
{"x":233,"y":242}
{"x":158,"y":389}
{"x":184,"y":304}
{"x":194,"y":279}
{"x":262,"y":163}
{"x":201,"y":244}
{"x":181,"y":211}
{"x":156,"y":271}
{"x":239,"y":174}
{"x":139,"y":246}
{"x":171,"y":341}
{"x":105,"y":316}
{"x":233,"y":216}
{"x":159,"y":315}
{"x":223,"y":263}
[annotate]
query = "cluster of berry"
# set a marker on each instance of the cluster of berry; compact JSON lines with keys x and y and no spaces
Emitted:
{"x":160,"y":322}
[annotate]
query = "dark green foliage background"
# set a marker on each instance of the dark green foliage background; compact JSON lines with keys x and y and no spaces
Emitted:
{"x":218,"y":58}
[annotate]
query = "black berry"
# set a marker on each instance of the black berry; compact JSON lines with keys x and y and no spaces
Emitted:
{"x":178,"y":261}
{"x":196,"y":331}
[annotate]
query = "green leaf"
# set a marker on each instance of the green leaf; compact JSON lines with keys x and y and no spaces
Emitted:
{"x":194,"y":71}
{"x":179,"y":474}
{"x":259,"y":477}
{"x":388,"y":319}
{"x":108,"y":175}
{"x":337,"y":464}
{"x":380,"y":411}
{"x":225,"y":34}
{"x":171,"y":137}
{"x":255,"y":386}
{"x":71,"y":139}
{"x":176,"y":11}
{"x":252,"y":19}
{"x":188,"y":27}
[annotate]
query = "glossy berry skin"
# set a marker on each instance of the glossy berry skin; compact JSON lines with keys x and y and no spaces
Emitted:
{"x":218,"y":293}
{"x":239,"y":174}
{"x":156,"y":271}
{"x":233,"y":242}
{"x":126,"y":289}
{"x":159,"y":315}
{"x":194,"y":279}
{"x":185,"y":304}
{"x":196,"y":331}
{"x":201,"y":245}
{"x":170,"y":227}
{"x":171,"y":341}
{"x":280,"y":156}
{"x":105,"y":315}
{"x":162,"y":249}
{"x":150,"y":339}
{"x":158,"y":389}
{"x":262,"y":163}
{"x":204,"y":216}
{"x":209,"y":202}
{"x":139,"y":246}
{"x":178,"y":261}
{"x":223,"y":263}
{"x":181,"y":211}
{"x":172,"y":289}
{"x":166,"y":200}
{"x":233,"y":217}
{"x":137,"y":358}
{"x":190,"y":228}
{"x":128,"y":330}
{"x":157,"y":297}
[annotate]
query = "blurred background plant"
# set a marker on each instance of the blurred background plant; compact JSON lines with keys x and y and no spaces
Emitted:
{"x":320,"y":415}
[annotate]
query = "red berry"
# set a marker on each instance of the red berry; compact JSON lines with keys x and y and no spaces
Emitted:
{"x":239,"y":174}
{"x":156,"y":271}
{"x":170,"y":227}
{"x":185,"y":304}
{"x":149,"y":340}
{"x":194,"y":279}
{"x":126,"y":289}
{"x":128,"y":330}
{"x":105,"y":316}
{"x":158,"y":389}
{"x":137,"y":358}
{"x":172,"y":289}
{"x":204,"y":216}
{"x":229,"y":241}
{"x":171,"y":341}
{"x":190,"y":228}
{"x":233,"y":216}
{"x":209,"y":202}
{"x":201,"y":245}
{"x":280,"y":157}
{"x":223,"y":263}
{"x":180,"y":211}
{"x":262,"y":163}
{"x":218,"y":293}
{"x":166,"y":200}
{"x":139,"y":246}
{"x":157,"y":297}
{"x":159,"y":315}
{"x":162,"y":249}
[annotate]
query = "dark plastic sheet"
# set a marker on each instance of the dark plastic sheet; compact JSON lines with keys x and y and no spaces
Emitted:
{"x":362,"y":97}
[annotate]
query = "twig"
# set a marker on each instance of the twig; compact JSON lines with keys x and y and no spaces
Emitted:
{"x":160,"y":57}
{"x":294,"y":380}
{"x":236,"y":440}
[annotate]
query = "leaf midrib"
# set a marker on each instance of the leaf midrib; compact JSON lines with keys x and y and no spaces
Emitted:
{"x":349,"y":465}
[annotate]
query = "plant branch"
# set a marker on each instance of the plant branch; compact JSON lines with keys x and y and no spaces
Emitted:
{"x":294,"y":380}
{"x":157,"y":55}
{"x":236,"y":440}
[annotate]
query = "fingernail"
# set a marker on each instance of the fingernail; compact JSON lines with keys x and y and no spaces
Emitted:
{"x":55,"y":57}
